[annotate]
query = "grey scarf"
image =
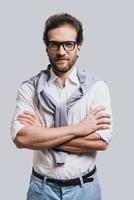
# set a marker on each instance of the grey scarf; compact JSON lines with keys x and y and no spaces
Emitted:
{"x":59,"y":110}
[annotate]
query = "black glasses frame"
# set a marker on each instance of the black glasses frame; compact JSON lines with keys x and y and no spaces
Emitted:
{"x":63,"y":44}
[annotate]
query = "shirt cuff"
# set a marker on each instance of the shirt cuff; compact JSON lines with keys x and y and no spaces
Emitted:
{"x":105,"y":135}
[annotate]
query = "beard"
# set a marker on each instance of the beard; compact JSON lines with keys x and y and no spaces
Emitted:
{"x":61,"y":65}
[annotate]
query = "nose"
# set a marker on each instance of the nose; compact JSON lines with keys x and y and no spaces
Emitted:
{"x":61,"y":50}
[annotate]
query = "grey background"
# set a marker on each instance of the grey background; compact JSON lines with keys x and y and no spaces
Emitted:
{"x":107,"y":51}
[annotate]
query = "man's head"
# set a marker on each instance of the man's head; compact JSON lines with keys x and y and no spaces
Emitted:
{"x":58,"y":20}
{"x":63,"y":36}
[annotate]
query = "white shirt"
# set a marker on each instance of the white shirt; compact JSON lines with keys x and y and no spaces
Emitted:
{"x":75,"y":164}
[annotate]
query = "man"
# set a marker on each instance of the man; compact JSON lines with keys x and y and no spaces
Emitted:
{"x":64,"y":115}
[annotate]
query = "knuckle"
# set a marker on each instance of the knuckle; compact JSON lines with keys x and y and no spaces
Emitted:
{"x":95,"y":127}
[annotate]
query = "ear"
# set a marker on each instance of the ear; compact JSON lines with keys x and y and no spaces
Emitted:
{"x":47,"y":50}
{"x":78,"y":50}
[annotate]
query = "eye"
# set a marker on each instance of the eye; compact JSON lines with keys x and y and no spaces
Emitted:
{"x":69,"y":45}
{"x":53,"y":45}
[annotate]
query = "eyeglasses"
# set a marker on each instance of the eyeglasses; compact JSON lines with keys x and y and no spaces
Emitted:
{"x":67,"y":45}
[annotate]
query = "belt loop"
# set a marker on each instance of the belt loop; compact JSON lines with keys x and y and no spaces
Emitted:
{"x":81,"y":181}
{"x":45,"y":179}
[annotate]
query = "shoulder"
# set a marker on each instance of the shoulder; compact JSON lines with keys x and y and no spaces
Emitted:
{"x":30,"y":84}
{"x":26,"y":92}
{"x":100,"y":89}
{"x":101,"y":85}
{"x":26,"y":88}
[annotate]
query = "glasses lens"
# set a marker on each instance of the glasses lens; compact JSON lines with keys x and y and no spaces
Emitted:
{"x":69,"y":46}
{"x":53,"y":45}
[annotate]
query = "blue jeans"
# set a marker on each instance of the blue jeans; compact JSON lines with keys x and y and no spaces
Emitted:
{"x":42,"y":190}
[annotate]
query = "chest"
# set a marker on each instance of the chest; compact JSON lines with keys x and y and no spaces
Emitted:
{"x":76,"y":113}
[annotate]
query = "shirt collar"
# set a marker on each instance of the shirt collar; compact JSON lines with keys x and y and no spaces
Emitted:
{"x":72,"y":76}
{"x":52,"y":78}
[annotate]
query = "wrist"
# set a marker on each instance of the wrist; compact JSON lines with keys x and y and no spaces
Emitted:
{"x":76,"y":130}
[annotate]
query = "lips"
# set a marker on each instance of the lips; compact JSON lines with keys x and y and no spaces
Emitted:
{"x":60,"y":59}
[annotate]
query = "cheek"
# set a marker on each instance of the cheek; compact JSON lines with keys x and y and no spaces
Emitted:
{"x":51,"y":55}
{"x":74,"y":55}
{"x":73,"y":58}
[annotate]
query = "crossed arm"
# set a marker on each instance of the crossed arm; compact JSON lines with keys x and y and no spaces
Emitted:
{"x":78,"y":138}
{"x":84,"y":144}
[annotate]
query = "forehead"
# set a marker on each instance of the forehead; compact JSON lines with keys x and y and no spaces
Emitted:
{"x":63,"y":33}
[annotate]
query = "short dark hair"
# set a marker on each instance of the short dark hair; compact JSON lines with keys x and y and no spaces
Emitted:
{"x":58,"y":20}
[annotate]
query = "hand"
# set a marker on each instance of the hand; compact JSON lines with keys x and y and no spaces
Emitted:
{"x":96,"y":120}
{"x":29,"y":118}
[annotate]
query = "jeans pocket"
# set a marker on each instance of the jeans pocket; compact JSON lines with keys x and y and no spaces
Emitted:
{"x":97,"y":189}
{"x":35,"y":191}
{"x":94,"y":189}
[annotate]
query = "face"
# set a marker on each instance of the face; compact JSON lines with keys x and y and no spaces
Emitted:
{"x":62,"y":60}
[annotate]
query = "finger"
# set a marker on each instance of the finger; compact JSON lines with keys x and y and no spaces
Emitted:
{"x":98,"y":109}
{"x":30,"y":113}
{"x":103,"y":115}
{"x":26,"y":116}
{"x":103,"y":127}
{"x":24,"y":123}
{"x":25,"y":120}
{"x":103,"y":121}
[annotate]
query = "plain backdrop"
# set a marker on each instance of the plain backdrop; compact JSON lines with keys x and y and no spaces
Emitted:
{"x":108,"y":51}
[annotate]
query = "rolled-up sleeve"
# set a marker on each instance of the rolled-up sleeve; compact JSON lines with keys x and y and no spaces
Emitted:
{"x":24,"y":102}
{"x":101,"y":96}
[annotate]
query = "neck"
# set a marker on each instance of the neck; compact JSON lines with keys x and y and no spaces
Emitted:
{"x":63,"y":76}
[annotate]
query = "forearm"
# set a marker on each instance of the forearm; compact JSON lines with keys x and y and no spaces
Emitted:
{"x":84,"y":144}
{"x":34,"y":137}
{"x":38,"y":138}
